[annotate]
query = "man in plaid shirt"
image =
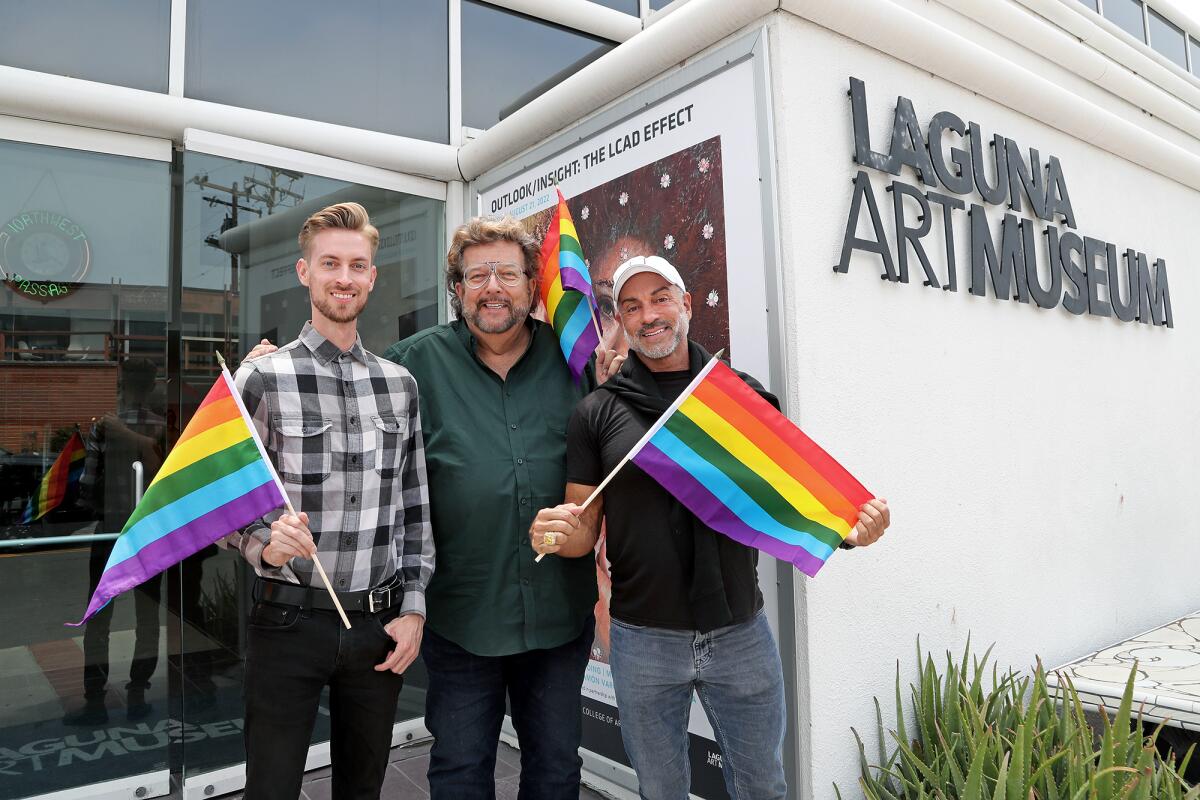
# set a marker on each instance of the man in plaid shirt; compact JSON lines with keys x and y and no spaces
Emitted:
{"x":343,"y":429}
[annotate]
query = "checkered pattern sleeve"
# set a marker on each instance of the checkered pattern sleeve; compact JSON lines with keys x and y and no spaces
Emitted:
{"x":413,"y":531}
{"x":251,"y":540}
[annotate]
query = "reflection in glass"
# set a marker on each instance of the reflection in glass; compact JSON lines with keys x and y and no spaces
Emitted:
{"x":628,"y":6}
{"x":365,"y":64}
{"x":1127,"y":14}
{"x":239,"y":285}
{"x":83,"y":258}
{"x":125,"y":42}
{"x":509,"y":59}
{"x":1167,"y":39}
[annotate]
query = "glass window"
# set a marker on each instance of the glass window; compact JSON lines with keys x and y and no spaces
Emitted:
{"x":1127,"y":14}
{"x":1167,"y":39}
{"x":124,"y":42}
{"x":1195,"y":53}
{"x":239,"y":285}
{"x":379,"y":66}
{"x":84,"y":249}
{"x":656,"y":5}
{"x":628,"y":6}
{"x":509,"y":59}
{"x":1090,"y":4}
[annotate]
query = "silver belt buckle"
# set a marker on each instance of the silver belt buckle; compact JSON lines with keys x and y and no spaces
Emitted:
{"x":381,"y":594}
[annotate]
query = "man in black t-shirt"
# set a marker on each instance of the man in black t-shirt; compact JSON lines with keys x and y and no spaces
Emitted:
{"x":687,"y":613}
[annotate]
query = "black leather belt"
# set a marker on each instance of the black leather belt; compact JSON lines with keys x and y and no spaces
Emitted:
{"x":368,"y":601}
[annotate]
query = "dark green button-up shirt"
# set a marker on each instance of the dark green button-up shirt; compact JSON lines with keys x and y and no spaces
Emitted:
{"x":495,"y":453}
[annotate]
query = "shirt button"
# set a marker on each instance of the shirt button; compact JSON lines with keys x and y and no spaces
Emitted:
{"x":354,"y":420}
{"x":520,"y":461}
{"x":513,"y":426}
{"x":341,"y":581}
{"x":353,"y":459}
{"x":349,"y":540}
{"x":353,"y":499}
{"x":524,"y":501}
{"x":525,"y":581}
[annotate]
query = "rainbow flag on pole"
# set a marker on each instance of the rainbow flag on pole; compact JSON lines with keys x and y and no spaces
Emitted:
{"x":566,"y":290}
{"x":62,"y":477}
{"x":215,"y":480}
{"x":747,"y":471}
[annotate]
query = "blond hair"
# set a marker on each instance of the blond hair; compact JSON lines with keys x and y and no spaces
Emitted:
{"x":343,"y":216}
{"x":485,"y":230}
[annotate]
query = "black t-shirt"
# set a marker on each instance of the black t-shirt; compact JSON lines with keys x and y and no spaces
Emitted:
{"x":649,"y":580}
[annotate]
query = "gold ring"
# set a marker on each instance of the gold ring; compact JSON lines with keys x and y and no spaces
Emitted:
{"x":550,"y":539}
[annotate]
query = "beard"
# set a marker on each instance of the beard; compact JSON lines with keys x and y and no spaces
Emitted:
{"x":665,"y":346}
{"x":517,"y":312}
{"x":334,"y":312}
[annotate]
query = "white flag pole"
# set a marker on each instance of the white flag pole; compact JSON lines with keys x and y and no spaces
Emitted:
{"x":662,"y":420}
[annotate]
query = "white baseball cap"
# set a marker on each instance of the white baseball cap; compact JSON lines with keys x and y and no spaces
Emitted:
{"x":639,"y":264}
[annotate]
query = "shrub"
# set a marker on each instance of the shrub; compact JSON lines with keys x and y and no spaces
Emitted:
{"x":1015,"y":739}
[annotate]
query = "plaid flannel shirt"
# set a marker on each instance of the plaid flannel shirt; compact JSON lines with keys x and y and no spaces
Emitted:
{"x":344,"y":431}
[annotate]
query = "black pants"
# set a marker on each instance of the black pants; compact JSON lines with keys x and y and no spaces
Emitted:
{"x":290,"y":657}
{"x":96,"y":634}
{"x":465,"y":707}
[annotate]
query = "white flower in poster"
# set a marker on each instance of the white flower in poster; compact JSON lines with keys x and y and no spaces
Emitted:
{"x":665,"y":180}
{"x":585,"y":213}
{"x":707,"y":230}
{"x":704,"y":165}
{"x":624,"y":198}
{"x":669,"y":242}
{"x":712,"y":299}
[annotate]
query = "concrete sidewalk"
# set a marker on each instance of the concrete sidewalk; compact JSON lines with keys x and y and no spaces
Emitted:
{"x":406,"y":777}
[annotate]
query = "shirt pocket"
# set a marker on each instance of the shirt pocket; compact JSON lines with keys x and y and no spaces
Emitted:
{"x":391,"y":432}
{"x":304,"y":451}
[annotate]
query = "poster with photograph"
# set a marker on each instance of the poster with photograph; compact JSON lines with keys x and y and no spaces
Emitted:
{"x":679,"y":179}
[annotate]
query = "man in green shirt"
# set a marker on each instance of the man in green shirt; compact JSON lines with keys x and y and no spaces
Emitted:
{"x":495,"y":398}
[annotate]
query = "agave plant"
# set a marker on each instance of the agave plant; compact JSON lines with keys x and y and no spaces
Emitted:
{"x":975,"y":733}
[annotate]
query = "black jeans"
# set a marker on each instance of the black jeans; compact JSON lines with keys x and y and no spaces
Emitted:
{"x":464,"y":709}
{"x":290,"y":656}
{"x":96,"y":632}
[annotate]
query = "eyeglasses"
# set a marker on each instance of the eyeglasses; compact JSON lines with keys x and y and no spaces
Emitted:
{"x":476,"y":276}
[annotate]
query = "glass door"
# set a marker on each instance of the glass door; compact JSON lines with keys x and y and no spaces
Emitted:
{"x":239,"y":228}
{"x":84,"y":255}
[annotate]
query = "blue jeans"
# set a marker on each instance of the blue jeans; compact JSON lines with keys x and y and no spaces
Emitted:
{"x":738,"y":676}
{"x":464,"y":708}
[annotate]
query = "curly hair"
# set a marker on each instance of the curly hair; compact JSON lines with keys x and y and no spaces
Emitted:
{"x":485,"y":230}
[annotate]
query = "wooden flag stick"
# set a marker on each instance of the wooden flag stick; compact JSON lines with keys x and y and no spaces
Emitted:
{"x":325,"y":578}
{"x":595,"y":493}
{"x":633,"y":451}
{"x":317,"y":561}
{"x":595,"y":324}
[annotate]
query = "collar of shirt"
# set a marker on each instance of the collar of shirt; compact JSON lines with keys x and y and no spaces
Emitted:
{"x":470,"y":342}
{"x":326,"y":351}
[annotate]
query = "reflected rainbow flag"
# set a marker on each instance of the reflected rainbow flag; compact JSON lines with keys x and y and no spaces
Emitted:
{"x":62,"y":478}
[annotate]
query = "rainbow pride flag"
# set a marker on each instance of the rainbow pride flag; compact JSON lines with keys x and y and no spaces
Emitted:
{"x":747,"y":471}
{"x":215,"y":480}
{"x":566,"y":290}
{"x":62,"y":478}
